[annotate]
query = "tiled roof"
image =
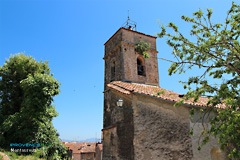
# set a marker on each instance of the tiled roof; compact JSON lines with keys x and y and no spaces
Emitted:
{"x":149,"y":90}
{"x":88,"y":147}
{"x":80,"y":147}
{"x":74,"y":146}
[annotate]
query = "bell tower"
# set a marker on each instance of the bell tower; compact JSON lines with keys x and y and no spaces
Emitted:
{"x":123,"y":63}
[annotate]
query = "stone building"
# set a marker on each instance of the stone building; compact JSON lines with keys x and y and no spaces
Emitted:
{"x":82,"y":151}
{"x":98,"y":151}
{"x":147,"y":126}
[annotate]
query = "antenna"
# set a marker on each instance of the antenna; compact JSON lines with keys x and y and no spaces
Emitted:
{"x":129,"y":24}
{"x":96,"y":137}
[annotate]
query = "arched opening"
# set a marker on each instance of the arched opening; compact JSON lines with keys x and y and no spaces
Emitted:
{"x":140,"y":66}
{"x":113,"y":71}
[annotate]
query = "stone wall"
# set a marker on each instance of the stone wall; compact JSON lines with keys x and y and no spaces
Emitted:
{"x":76,"y":156}
{"x":131,"y":37}
{"x":118,"y":128}
{"x":211,"y":149}
{"x":125,"y":131}
{"x":120,"y":49}
{"x":161,"y":131}
{"x":116,"y":57}
{"x":112,"y":43}
{"x":112,"y":113}
{"x":88,"y":156}
{"x":98,"y":152}
{"x":110,"y":143}
{"x":130,"y":66}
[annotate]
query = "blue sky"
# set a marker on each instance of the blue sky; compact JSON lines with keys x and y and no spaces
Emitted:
{"x":70,"y":35}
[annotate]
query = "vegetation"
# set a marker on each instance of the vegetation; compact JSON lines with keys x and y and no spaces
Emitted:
{"x":35,"y":156}
{"x":14,"y":156}
{"x":142,"y":48}
{"x":215,"y":49}
{"x":160,"y":92}
{"x":26,"y":94}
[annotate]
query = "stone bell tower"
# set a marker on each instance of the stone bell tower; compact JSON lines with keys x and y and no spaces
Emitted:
{"x":123,"y":63}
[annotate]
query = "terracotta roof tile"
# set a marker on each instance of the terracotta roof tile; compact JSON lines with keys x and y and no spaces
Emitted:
{"x":129,"y":88}
{"x":74,"y":146}
{"x":88,"y":147}
{"x":80,"y":147}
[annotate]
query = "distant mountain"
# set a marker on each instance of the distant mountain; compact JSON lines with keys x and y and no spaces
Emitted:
{"x":89,"y":140}
{"x":67,"y":140}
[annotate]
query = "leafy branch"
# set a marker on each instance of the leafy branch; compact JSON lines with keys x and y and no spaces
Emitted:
{"x":216,"y":51}
{"x":142,"y":47}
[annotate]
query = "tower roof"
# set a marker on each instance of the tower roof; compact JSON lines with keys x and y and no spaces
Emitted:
{"x":122,"y":28}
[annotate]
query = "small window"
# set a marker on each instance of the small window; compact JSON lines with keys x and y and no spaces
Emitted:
{"x":113,"y":71}
{"x":140,"y":66}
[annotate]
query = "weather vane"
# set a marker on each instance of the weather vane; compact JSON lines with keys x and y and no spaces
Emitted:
{"x":129,"y":24}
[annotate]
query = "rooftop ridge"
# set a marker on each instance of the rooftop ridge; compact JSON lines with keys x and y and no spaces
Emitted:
{"x":151,"y":91}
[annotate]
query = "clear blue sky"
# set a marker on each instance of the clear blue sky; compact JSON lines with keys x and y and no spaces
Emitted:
{"x":70,"y":35}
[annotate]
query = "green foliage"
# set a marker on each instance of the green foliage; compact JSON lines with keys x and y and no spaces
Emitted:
{"x":142,"y":48}
{"x":12,"y":155}
{"x":160,"y":92}
{"x":191,"y":132}
{"x":215,"y":50}
{"x":26,"y":94}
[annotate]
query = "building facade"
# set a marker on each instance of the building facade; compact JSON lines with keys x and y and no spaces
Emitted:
{"x":147,"y":125}
{"x":82,"y":151}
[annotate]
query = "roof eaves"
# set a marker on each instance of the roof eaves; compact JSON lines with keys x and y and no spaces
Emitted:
{"x":87,"y":152}
{"x":109,"y":127}
{"x":169,"y":101}
{"x":120,"y":89}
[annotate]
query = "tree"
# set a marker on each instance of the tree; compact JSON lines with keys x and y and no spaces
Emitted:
{"x":215,"y":49}
{"x":26,"y":94}
{"x":142,"y":48}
